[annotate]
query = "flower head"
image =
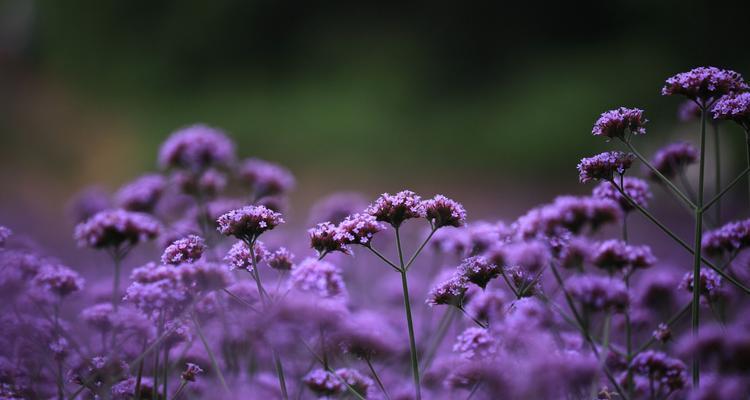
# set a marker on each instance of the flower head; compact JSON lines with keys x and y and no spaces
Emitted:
{"x":449,"y":292}
{"x":673,"y":158}
{"x":478,"y":270}
{"x":704,"y":83}
{"x":239,"y":256}
{"x":5,"y":233}
{"x":475,"y":344}
{"x":184,"y":250}
{"x":59,"y":280}
{"x":662,"y":333}
{"x":637,"y":189}
{"x":357,"y":229}
{"x":320,"y":278}
{"x":395,"y":209}
{"x":734,"y":107}
{"x":616,"y":255}
{"x":599,"y":293}
{"x":710,"y":284}
{"x":281,"y":259}
{"x":99,"y":316}
{"x":442,"y":211}
{"x":729,"y":238}
{"x":266,"y":178}
{"x":688,"y":111}
{"x":191,"y":371}
{"x":614,"y":123}
{"x":604,"y":166}
{"x":249,"y":222}
{"x":323,"y":383}
{"x":111,"y":229}
{"x":666,"y":372}
{"x":323,"y":239}
{"x":142,"y":194}
{"x":195,"y":148}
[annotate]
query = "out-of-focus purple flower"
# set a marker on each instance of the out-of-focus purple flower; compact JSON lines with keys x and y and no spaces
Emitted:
{"x":323,"y":239}
{"x":710,"y":284}
{"x":688,"y":111}
{"x":397,"y":208}
{"x":483,"y":234}
{"x":358,"y":229}
{"x":125,"y":389}
{"x":673,"y":158}
{"x":728,"y":239}
{"x":719,"y":387}
{"x":203,"y":276}
{"x":88,"y":202}
{"x":734,"y":107}
{"x":281,"y":259}
{"x":195,"y":148}
{"x":454,"y":241}
{"x":614,"y":123}
{"x":191,"y":372}
{"x":569,"y":213}
{"x":319,"y":277}
{"x":266,"y":178}
{"x":616,"y":255}
{"x":323,"y":383}
{"x":722,"y":348}
{"x":355,"y":380}
{"x":666,"y":373}
{"x":185,"y":250}
{"x":366,"y":336}
{"x":336,"y":207}
{"x":449,"y":292}
{"x":249,"y":222}
{"x":476,"y":343}
{"x":662,"y":333}
{"x":99,"y":316}
{"x":59,"y":280}
{"x":599,"y":293}
{"x":239,"y":256}
{"x":704,"y":83}
{"x":442,"y":211}
{"x":206,"y":183}
{"x":157,"y":289}
{"x":141,"y":194}
{"x":5,"y":233}
{"x":604,"y":166}
{"x":478,"y":270}
{"x":636,"y":188}
{"x":575,"y":252}
{"x":487,"y":305}
{"x":114,"y":228}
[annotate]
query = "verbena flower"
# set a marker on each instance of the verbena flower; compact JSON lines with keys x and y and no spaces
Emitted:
{"x":88,"y":202}
{"x":112,"y":229}
{"x":728,"y":239}
{"x":616,"y":255}
{"x":266,"y":178}
{"x":204,"y":276}
{"x":478,"y":270}
{"x":476,"y":343}
{"x":637,"y":189}
{"x":367,"y":336}
{"x":191,"y":372}
{"x":207,"y":183}
{"x":710,"y":284}
{"x":449,"y":292}
{"x":668,"y":374}
{"x":615,"y":123}
{"x":442,"y":211}
{"x":59,"y":280}
{"x":487,"y":305}
{"x":249,"y":222}
{"x":281,"y":259}
{"x":141,"y":194}
{"x":704,"y":83}
{"x":354,"y":379}
{"x":319,"y":277}
{"x":323,"y":239}
{"x":734,"y":107}
{"x":239,"y":256}
{"x":604,"y":166}
{"x":662,"y":333}
{"x":673,"y":158}
{"x":195,"y":148}
{"x":185,"y":250}
{"x":599,"y":293}
{"x":397,"y":208}
{"x":567,"y":213}
{"x":99,"y":316}
{"x":323,"y":383}
{"x":5,"y":233}
{"x":576,"y":252}
{"x":358,"y":229}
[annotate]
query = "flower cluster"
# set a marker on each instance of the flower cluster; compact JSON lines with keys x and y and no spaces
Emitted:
{"x":195,"y":148}
{"x":142,"y":194}
{"x":734,"y":107}
{"x":604,"y":166}
{"x":728,"y":239}
{"x":710,"y":284}
{"x":115,"y":228}
{"x":185,"y":250}
{"x":704,"y":83}
{"x":320,"y":278}
{"x":615,"y":255}
{"x":599,"y":293}
{"x":249,"y":222}
{"x":266,"y":178}
{"x":615,"y":123}
{"x":673,"y":158}
{"x":635,"y":188}
{"x":397,"y":208}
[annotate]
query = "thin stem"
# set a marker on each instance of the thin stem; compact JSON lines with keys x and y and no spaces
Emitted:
{"x":726,"y":189}
{"x":165,"y":376}
{"x":214,"y":363}
{"x":139,"y":376}
{"x":421,"y":247}
{"x":239,"y":300}
{"x":409,"y":322}
{"x":476,"y":321}
{"x":628,"y":342}
{"x":474,"y":390}
{"x":663,"y":178}
{"x":116,"y":258}
{"x":279,"y":373}
{"x":176,"y":395}
{"x":377,"y":378}
{"x":747,"y":139}
{"x":382,"y":257}
{"x":445,"y":323}
{"x":155,"y":387}
{"x":507,"y":282}
{"x":695,"y":320}
{"x":717,"y":169}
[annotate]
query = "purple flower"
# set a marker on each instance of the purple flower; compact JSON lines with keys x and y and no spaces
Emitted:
{"x":323,"y":383}
{"x":142,"y":194}
{"x":614,"y":123}
{"x":360,"y":383}
{"x":487,"y":305}
{"x":688,"y":111}
{"x":249,"y":222}
{"x":604,"y":166}
{"x":728,"y":239}
{"x":367,"y":335}
{"x":395,"y":209}
{"x":442,"y":211}
{"x":357,"y":229}
{"x":323,"y":239}
{"x":710,"y":284}
{"x":195,"y":148}
{"x":88,"y":202}
{"x":662,"y":333}
{"x":239,"y":256}
{"x":320,"y":278}
{"x":478,"y":270}
{"x":475,"y":344}
{"x":575,"y":253}
{"x":598,"y":293}
{"x":5,"y":233}
{"x":704,"y":83}
{"x":59,"y":280}
{"x":266,"y":178}
{"x":112,"y":229}
{"x":449,"y":292}
{"x":185,"y":250}
{"x":191,"y":371}
{"x":336,"y":207}
{"x":734,"y":107}
{"x":203,"y":276}
{"x":673,"y":158}
{"x":281,"y":259}
{"x":637,"y":189}
{"x":569,"y":213}
{"x":665,"y":372}
{"x":207,"y":183}
{"x":99,"y":316}
{"x":616,"y":255}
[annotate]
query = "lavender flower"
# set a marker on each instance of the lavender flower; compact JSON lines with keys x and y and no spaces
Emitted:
{"x":487,"y":305}
{"x":599,"y":293}
{"x":142,"y":194}
{"x":203,"y":276}
{"x":710,"y":284}
{"x":666,"y":372}
{"x":395,"y":209}
{"x":112,"y":229}
{"x":319,"y":277}
{"x":184,"y":250}
{"x":673,"y":158}
{"x":734,"y":107}
{"x":239,"y":256}
{"x":476,"y":343}
{"x":449,"y":292}
{"x":266,"y":178}
{"x":247,"y":223}
{"x":195,"y":148}
{"x":323,"y":239}
{"x":614,"y":123}
{"x":59,"y":280}
{"x":603,"y":166}
{"x":616,"y":255}
{"x":5,"y":233}
{"x":207,"y":183}
{"x":704,"y":83}
{"x":442,"y":211}
{"x":357,"y":229}
{"x":728,"y":239}
{"x":478,"y":270}
{"x":637,"y":189}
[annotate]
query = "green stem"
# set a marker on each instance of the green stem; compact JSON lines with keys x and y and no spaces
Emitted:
{"x":663,"y":178}
{"x":214,"y":363}
{"x":409,"y":322}
{"x":421,"y":247}
{"x":695,"y":313}
{"x":382,"y":257}
{"x":280,"y":373}
{"x":377,"y":378}
{"x":165,"y":376}
{"x":717,"y":167}
{"x":176,"y":395}
{"x":476,"y":321}
{"x":116,"y":281}
{"x":726,"y":189}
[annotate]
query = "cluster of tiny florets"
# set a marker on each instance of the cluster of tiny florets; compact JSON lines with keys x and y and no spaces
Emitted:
{"x":397,"y":208}
{"x":249,"y":222}
{"x":319,"y":277}
{"x":357,"y":229}
{"x":615,"y":123}
{"x":604,"y":166}
{"x":637,"y":189}
{"x":266,"y":178}
{"x":734,"y":107}
{"x":196,"y":147}
{"x":115,"y":228}
{"x":442,"y":211}
{"x":142,"y":194}
{"x":599,"y":293}
{"x":710,"y":286}
{"x":704,"y":83}
{"x":184,"y":250}
{"x":728,"y":239}
{"x":673,"y":158}
{"x":616,"y":255}
{"x":448,"y":292}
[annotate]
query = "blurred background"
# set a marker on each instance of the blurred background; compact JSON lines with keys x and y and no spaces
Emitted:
{"x":490,"y":103}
